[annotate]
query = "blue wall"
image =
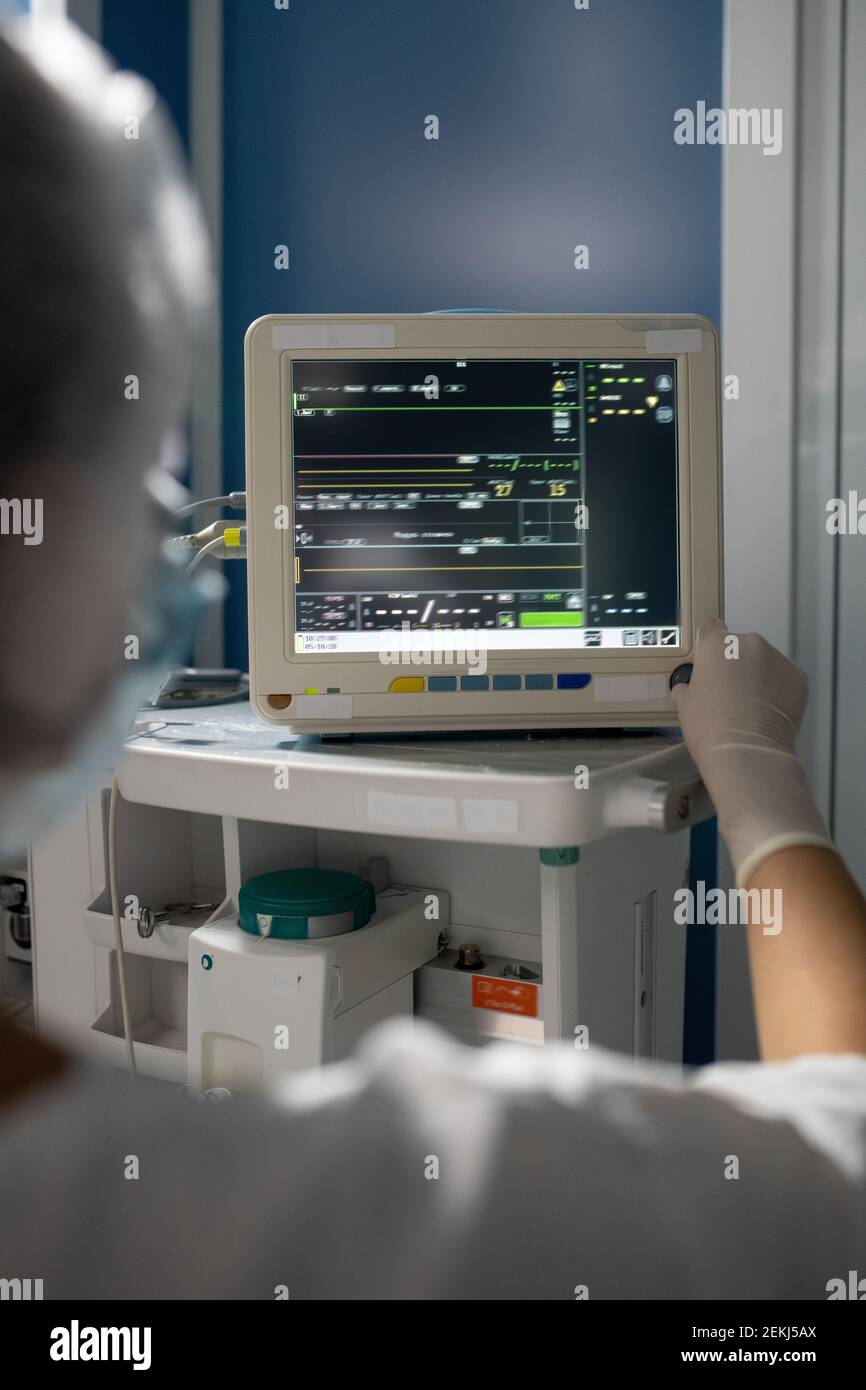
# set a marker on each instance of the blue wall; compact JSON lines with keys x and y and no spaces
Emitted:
{"x":152,"y":37}
{"x":556,"y":127}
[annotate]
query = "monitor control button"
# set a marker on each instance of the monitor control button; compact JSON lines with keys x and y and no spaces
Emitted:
{"x":682,"y":674}
{"x":406,"y":685}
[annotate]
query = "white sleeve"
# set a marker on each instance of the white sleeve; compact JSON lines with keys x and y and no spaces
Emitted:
{"x":823,"y":1097}
{"x":426,"y":1170}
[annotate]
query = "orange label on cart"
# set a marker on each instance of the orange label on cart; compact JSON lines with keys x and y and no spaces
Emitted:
{"x":506,"y":996}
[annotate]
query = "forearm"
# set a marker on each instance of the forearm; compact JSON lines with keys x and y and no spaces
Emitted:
{"x":809,"y":979}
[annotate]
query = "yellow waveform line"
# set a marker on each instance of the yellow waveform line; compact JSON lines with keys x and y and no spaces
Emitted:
{"x":402,"y":569}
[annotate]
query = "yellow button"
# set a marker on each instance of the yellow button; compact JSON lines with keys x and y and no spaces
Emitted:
{"x":407,"y":685}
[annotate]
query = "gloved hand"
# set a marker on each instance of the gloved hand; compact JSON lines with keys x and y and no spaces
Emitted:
{"x":739,"y":717}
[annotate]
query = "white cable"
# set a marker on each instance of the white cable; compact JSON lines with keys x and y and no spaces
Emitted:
{"x":115,"y":914}
{"x":236,"y":500}
{"x":216,"y":544}
{"x":195,"y":540}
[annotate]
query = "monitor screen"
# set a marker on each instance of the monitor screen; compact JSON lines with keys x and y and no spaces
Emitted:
{"x":534,"y":500}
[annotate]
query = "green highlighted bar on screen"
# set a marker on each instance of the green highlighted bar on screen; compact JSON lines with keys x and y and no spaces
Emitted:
{"x":550,"y":620}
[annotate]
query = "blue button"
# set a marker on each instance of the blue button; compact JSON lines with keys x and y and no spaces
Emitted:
{"x":441,"y":682}
{"x":538,"y":682}
{"x":572,"y":682}
{"x":474,"y":683}
{"x":506,"y":682}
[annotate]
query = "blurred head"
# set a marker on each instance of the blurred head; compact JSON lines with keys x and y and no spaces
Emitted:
{"x":104,"y":283}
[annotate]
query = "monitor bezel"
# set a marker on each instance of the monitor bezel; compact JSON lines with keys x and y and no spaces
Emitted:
{"x":277,"y":668}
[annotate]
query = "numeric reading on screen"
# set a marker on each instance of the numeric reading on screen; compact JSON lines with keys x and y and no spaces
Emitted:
{"x":535,"y":499}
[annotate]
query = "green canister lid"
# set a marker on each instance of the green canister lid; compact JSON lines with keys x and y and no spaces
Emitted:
{"x":303,"y":904}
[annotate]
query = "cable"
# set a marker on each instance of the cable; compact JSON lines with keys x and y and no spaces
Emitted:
{"x":115,"y":915}
{"x":231,"y":544}
{"x":216,"y":544}
{"x":195,"y":540}
{"x":236,"y":500}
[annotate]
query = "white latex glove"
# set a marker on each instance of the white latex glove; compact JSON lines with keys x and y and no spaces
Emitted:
{"x":739,"y":717}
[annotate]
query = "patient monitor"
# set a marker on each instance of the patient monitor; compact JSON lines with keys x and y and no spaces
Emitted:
{"x":479,"y":521}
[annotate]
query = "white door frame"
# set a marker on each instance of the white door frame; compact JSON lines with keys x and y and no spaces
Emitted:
{"x":794,"y":333}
